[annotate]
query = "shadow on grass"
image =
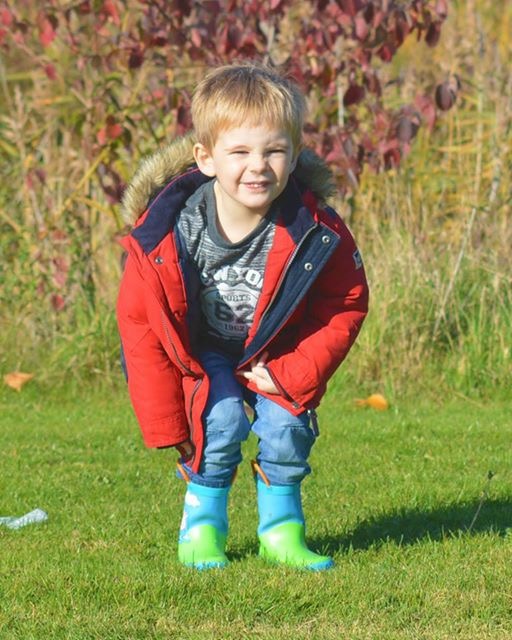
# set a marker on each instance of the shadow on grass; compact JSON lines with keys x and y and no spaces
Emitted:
{"x":407,"y":527}
{"x":411,"y":526}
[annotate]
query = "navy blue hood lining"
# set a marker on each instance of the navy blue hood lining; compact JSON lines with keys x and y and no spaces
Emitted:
{"x":166,"y":206}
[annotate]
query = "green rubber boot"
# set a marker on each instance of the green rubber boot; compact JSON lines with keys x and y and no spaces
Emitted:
{"x":282,"y":530}
{"x":204,"y":527}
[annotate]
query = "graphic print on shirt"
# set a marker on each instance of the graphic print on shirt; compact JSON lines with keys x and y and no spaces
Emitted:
{"x":228,"y":299}
{"x":231,"y":274}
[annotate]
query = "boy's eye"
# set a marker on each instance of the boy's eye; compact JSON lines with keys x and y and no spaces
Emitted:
{"x":277,"y":150}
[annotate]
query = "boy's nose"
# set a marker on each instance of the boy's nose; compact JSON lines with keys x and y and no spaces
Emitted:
{"x":258,"y":162}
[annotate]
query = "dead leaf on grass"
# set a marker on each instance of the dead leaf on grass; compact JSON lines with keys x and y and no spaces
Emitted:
{"x":375,"y":401}
{"x":17,"y":379}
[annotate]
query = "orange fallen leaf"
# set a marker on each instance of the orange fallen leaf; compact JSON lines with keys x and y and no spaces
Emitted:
{"x":375,"y":401}
{"x":17,"y":379}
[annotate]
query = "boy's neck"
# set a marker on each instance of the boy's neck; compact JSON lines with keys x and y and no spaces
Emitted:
{"x":235,"y":222}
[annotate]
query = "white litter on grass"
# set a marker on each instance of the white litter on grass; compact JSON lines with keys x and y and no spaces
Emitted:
{"x":33,"y":517}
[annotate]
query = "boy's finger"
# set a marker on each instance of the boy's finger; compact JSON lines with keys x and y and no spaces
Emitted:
{"x":259,"y":371}
{"x":262,"y":361}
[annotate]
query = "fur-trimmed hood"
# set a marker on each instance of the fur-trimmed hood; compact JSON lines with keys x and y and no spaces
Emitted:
{"x":156,"y":170}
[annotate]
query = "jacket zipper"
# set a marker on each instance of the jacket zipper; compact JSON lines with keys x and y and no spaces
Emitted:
{"x":167,"y":335}
{"x":190,"y":420}
{"x":281,"y":389}
{"x":287,"y":267}
{"x":278,"y":287}
{"x":166,"y":331}
{"x":184,"y":368}
{"x":199,"y":380}
{"x":313,"y":418}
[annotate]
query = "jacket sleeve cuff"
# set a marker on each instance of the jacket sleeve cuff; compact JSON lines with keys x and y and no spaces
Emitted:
{"x":302,"y":391}
{"x":165,"y":432}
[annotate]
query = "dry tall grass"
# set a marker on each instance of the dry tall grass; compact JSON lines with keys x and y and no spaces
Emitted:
{"x":435,"y":235}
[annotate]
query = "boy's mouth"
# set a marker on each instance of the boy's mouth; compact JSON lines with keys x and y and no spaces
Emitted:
{"x":256,"y":185}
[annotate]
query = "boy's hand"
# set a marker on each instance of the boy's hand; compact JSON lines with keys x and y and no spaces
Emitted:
{"x":186,"y":450}
{"x":260,"y":376}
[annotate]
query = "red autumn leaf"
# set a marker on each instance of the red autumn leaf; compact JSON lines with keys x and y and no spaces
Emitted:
{"x":427,"y":109}
{"x":110,"y":131}
{"x":57,"y":301}
{"x":59,"y":279}
{"x":136,"y":58}
{"x":84,"y":7}
{"x":372,"y":83}
{"x":6,"y":17}
{"x":386,"y":52}
{"x":157,"y":38}
{"x":46,"y":26}
{"x":19,"y":37}
{"x":195,"y":36}
{"x":407,"y":128}
{"x":114,"y":130}
{"x":433,"y":34}
{"x":348,"y":6}
{"x":445,"y":96}
{"x":60,"y":271}
{"x":51,"y":71}
{"x":392,"y":158}
{"x":183,"y":120}
{"x":402,"y":29}
{"x":378,"y":17}
{"x":442,"y":8}
{"x":369,"y":13}
{"x":183,"y":7}
{"x":110,"y":10}
{"x":157,"y":96}
{"x":61,"y":263}
{"x":101,"y":136}
{"x":354,"y":94}
{"x":361,"y":27}
{"x":223,"y":40}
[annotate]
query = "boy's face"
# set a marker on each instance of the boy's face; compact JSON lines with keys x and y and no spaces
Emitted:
{"x":252,"y":164}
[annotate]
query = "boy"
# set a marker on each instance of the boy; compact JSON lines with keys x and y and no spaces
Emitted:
{"x":240,"y":286}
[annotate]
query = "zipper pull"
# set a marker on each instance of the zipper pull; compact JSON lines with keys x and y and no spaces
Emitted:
{"x":313,"y":422}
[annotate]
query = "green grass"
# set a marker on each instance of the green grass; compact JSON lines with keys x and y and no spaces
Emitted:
{"x":392,"y":496}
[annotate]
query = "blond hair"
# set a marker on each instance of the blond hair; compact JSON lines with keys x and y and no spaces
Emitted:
{"x":247,"y":93}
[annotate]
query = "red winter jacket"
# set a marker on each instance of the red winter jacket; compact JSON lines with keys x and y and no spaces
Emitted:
{"x":312,"y":304}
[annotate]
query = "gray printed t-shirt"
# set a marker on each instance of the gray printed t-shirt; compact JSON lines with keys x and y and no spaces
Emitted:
{"x":231,"y":274}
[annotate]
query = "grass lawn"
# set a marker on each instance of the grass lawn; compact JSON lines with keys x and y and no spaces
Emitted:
{"x":393,"y":496}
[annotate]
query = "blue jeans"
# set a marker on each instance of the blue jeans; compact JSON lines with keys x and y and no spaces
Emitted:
{"x":284,"y":440}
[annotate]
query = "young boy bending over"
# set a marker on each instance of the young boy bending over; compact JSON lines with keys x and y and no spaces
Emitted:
{"x":240,"y":286}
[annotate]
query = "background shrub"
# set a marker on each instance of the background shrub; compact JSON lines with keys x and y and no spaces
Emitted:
{"x":88,"y":88}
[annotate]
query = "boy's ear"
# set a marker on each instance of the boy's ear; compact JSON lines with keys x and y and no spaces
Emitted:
{"x":204,"y":160}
